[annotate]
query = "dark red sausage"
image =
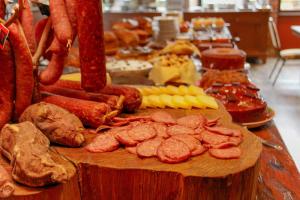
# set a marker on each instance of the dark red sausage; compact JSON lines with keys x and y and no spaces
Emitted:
{"x":75,"y":85}
{"x":91,"y":44}
{"x":2,"y":9}
{"x":6,"y":84}
{"x":26,"y":19}
{"x":91,"y":113}
{"x":111,"y":100}
{"x":39,"y":28}
{"x":71,"y":11}
{"x":53,"y":71}
{"x":132,"y":96}
{"x":61,"y":23}
{"x":24,"y":69}
{"x":56,"y":47}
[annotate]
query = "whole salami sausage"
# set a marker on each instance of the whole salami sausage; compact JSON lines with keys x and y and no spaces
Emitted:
{"x":2,"y":9}
{"x":112,"y":100}
{"x":61,"y":23}
{"x":91,"y":113}
{"x":24,"y":69}
{"x":39,"y":30}
{"x":26,"y":19}
{"x":91,"y":44}
{"x":133,"y":98}
{"x":6,"y":186}
{"x":53,"y":71}
{"x":6,"y":84}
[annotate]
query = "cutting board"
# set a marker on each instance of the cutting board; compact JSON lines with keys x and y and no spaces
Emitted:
{"x":120,"y":175}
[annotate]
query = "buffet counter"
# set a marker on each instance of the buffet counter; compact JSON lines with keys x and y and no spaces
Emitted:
{"x":250,"y":26}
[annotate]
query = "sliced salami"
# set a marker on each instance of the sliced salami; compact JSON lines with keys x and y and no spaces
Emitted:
{"x":175,"y":149}
{"x":179,"y":130}
{"x":142,"y":132}
{"x":222,"y":145}
{"x":192,"y":121}
{"x":131,"y":150}
{"x":148,"y":148}
{"x":161,"y":129}
{"x":189,"y":140}
{"x":103,"y":143}
{"x":163,"y":117}
{"x":224,"y":131}
{"x":212,"y":122}
{"x":236,"y":140}
{"x":229,"y":153}
{"x":213,"y":138}
{"x":199,"y":150}
{"x":124,"y":138}
{"x":198,"y":137}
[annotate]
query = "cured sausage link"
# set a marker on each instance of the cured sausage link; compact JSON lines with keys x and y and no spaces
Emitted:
{"x":91,"y":44}
{"x":24,"y":69}
{"x":132,"y":96}
{"x":6,"y":186}
{"x":91,"y":113}
{"x":53,"y":71}
{"x":26,"y":19}
{"x":6,"y":84}
{"x":61,"y":24}
{"x":112,"y":100}
{"x":2,"y":9}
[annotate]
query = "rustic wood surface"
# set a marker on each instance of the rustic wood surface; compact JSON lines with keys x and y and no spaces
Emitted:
{"x":279,"y":177}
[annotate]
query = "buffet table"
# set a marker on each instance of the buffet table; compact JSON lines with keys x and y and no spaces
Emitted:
{"x":278,"y":177}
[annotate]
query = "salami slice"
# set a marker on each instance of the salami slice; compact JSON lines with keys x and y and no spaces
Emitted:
{"x":175,"y":149}
{"x":142,"y":132}
{"x":223,"y":145}
{"x":236,"y":140}
{"x":192,"y":121}
{"x":161,"y":129}
{"x":198,"y":137}
{"x":189,"y":140}
{"x":131,"y":150}
{"x":163,"y":117}
{"x":212,"y":122}
{"x":103,"y":143}
{"x":229,"y":153}
{"x":225,"y":131}
{"x":199,"y":150}
{"x":213,"y":138}
{"x":148,"y":148}
{"x":125,"y":139}
{"x":179,"y":130}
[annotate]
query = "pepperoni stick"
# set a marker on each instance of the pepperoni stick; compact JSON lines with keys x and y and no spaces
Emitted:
{"x":6,"y":84}
{"x":91,"y":113}
{"x":113,"y":101}
{"x":71,"y":10}
{"x":42,"y":42}
{"x":91,"y":45}
{"x":24,"y":69}
{"x":132,"y":96}
{"x":53,"y":71}
{"x":2,"y":9}
{"x":61,"y":24}
{"x":26,"y":19}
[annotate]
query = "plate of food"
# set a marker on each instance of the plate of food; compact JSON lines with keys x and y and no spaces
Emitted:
{"x":268,"y":116}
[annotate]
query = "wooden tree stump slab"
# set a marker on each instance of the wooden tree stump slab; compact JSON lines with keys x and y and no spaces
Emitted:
{"x":121,"y":175}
